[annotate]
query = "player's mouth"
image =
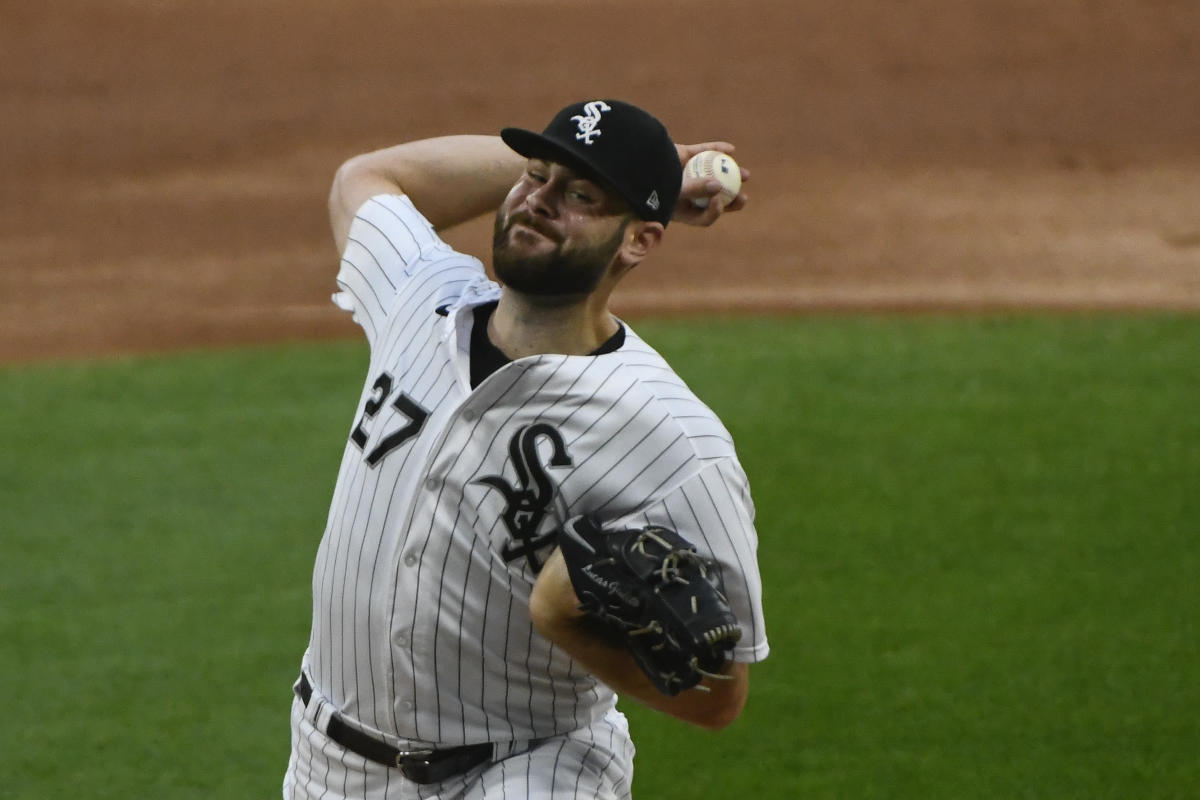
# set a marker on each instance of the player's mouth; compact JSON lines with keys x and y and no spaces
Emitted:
{"x":527,"y":222}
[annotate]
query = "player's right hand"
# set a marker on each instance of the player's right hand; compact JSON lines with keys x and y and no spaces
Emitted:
{"x":686,"y":211}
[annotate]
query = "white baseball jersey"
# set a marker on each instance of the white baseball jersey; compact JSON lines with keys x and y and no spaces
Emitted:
{"x":448,"y":498}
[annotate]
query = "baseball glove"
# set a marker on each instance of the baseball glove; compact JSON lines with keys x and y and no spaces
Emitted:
{"x":663,"y":600}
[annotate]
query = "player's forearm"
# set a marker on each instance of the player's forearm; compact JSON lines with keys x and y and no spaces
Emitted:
{"x":713,"y":709}
{"x":450,"y":179}
{"x":554,"y":608}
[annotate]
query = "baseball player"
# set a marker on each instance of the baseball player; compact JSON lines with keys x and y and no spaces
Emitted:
{"x":450,"y":656}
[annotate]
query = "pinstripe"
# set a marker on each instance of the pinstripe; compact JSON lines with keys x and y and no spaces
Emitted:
{"x":421,"y":629}
{"x":685,"y":498}
{"x":709,"y":484}
{"x":349,"y":262}
{"x":387,"y":511}
{"x":401,"y":340}
{"x":309,"y":761}
{"x":614,"y":434}
{"x":368,"y":326}
{"x":668,"y":478}
{"x":327,"y":565}
{"x":391,"y":243}
{"x":578,"y":774}
{"x":611,"y":407}
{"x":389,"y":209}
{"x":438,"y":607}
{"x":404,"y":330}
{"x":325,"y":780}
{"x":465,"y":583}
{"x":648,"y":466}
{"x":532,"y":712}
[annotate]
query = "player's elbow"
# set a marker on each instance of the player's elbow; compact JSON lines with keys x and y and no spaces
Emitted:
{"x":355,"y":182}
{"x":340,"y":215}
{"x":345,"y":195}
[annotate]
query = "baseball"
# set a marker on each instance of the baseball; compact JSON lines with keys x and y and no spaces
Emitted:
{"x":715,"y":164}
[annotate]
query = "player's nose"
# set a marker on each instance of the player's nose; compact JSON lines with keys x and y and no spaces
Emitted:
{"x":543,"y":200}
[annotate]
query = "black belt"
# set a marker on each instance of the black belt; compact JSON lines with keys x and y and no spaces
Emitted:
{"x":419,"y":766}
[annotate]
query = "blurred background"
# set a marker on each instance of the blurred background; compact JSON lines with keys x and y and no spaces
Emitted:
{"x":164,"y":163}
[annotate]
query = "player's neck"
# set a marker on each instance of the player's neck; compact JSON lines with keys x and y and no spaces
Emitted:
{"x":524,"y":326}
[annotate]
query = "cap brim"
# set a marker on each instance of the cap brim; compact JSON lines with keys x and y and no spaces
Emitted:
{"x":535,"y":145}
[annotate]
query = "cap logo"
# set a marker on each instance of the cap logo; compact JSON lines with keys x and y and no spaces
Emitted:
{"x":652,"y":201}
{"x":589,"y":119}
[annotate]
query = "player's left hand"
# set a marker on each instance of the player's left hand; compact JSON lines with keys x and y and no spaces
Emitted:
{"x":650,"y":587}
{"x":686,"y":211}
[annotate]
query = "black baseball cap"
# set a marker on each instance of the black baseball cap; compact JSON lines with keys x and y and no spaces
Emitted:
{"x":621,"y":146}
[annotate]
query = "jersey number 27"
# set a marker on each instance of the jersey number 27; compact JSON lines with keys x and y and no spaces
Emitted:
{"x":404,"y":404}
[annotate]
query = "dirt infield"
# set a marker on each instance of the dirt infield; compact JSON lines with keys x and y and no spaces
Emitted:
{"x":164,"y":164}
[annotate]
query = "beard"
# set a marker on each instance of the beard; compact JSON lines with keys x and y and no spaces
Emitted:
{"x":562,"y":272}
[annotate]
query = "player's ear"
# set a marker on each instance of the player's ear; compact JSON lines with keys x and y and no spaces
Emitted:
{"x":641,"y":237}
{"x":638,"y":239}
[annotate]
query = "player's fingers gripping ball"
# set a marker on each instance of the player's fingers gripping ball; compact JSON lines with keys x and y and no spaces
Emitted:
{"x":650,"y":586}
{"x":715,"y":165}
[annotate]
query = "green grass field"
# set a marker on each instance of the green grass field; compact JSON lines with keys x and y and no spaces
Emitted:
{"x":980,"y":540}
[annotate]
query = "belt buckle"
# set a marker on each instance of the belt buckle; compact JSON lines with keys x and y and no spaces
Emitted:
{"x":404,"y":755}
{"x":414,"y":764}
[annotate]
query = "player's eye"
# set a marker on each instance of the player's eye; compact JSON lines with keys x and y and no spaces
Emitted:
{"x":581,"y":192}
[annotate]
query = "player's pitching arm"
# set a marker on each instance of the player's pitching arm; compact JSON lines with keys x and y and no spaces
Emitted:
{"x":557,"y":616}
{"x":454,"y":179}
{"x":450,"y":179}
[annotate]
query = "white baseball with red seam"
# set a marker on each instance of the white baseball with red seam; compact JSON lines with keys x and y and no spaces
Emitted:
{"x":717,"y":165}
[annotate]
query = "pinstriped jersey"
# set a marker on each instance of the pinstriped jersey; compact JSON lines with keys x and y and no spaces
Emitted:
{"x":448,"y":498}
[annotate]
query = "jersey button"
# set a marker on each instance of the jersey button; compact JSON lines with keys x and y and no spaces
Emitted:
{"x":431,"y":484}
{"x":470,"y":415}
{"x":411,"y":559}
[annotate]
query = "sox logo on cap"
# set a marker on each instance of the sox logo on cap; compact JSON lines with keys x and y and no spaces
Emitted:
{"x":589,"y":119}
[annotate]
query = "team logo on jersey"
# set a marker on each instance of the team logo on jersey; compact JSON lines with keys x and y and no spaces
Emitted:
{"x":589,"y":119}
{"x":526,"y":504}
